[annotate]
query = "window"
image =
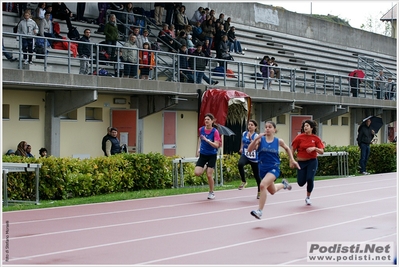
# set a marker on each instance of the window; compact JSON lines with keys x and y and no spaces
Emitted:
{"x":345,"y":121}
{"x":334,"y":121}
{"x":6,"y":111}
{"x":94,"y":114}
{"x":28,"y":112}
{"x":73,"y":115}
{"x":281,"y":119}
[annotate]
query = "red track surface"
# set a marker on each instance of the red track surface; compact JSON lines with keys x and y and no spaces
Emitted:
{"x":191,"y":230}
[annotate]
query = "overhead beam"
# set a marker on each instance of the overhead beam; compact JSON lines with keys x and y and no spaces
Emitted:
{"x":67,"y":101}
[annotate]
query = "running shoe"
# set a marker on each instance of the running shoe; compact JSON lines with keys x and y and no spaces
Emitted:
{"x":286,"y":184}
{"x":242,"y":185}
{"x":365,"y":173}
{"x":257,"y":214}
{"x":308,"y":202}
{"x":211,"y":195}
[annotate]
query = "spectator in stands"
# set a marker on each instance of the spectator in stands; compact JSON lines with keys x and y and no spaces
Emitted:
{"x":40,"y":12}
{"x":181,"y":19}
{"x":28,"y":27}
{"x":220,"y":21}
{"x":130,"y":57}
{"x":220,"y":32}
{"x":380,"y":84}
{"x":85,"y":52}
{"x":49,"y":9}
{"x":186,"y":74}
{"x":129,"y":18}
{"x":117,"y":9}
{"x":197,"y":32}
{"x":102,"y":12}
{"x":197,"y":16}
{"x":234,"y":44}
{"x":111,"y":35}
{"x":80,"y":11}
{"x":265,"y":69}
{"x":8,"y":55}
{"x":198,"y":64}
{"x":209,"y":30}
{"x":142,"y":39}
{"x":223,"y":52}
{"x":21,"y":149}
{"x":170,"y":7}
{"x":158,"y":12}
{"x":190,"y":44}
{"x":227,"y":24}
{"x":165,"y":36}
{"x":354,"y":83}
{"x":46,"y":27}
{"x":28,"y":151}
{"x":390,"y":89}
{"x":172,"y":31}
{"x":181,"y":40}
{"x":62,"y":12}
{"x":146,"y":60}
{"x":276,"y":71}
{"x":206,"y":49}
{"x":43,"y":152}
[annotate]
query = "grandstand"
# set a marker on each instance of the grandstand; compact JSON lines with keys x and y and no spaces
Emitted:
{"x":49,"y":104}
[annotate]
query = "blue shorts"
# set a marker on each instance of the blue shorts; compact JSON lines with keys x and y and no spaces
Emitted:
{"x":275,"y":170}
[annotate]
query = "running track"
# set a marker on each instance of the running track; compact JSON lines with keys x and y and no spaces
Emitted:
{"x":191,"y":230}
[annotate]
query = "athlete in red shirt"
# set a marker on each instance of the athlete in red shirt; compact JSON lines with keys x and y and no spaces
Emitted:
{"x":307,"y":145}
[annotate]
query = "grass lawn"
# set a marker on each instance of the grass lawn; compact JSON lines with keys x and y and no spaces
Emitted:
{"x":136,"y":195}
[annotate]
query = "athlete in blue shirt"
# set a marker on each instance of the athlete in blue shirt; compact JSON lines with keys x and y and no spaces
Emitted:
{"x":269,"y":163}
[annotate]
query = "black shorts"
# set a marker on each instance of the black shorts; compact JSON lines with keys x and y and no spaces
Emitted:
{"x":204,"y":159}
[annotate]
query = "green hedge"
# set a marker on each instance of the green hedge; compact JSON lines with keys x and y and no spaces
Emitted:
{"x":62,"y":178}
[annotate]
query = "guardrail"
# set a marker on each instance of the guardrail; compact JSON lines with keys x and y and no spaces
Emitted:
{"x":245,"y":73}
{"x":20,"y":167}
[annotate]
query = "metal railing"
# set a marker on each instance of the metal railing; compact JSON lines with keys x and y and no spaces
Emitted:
{"x":243,"y":74}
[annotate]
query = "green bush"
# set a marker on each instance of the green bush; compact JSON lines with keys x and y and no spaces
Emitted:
{"x":62,"y":178}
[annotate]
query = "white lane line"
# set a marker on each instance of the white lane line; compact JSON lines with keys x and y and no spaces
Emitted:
{"x":187,"y":203}
{"x":212,"y":228}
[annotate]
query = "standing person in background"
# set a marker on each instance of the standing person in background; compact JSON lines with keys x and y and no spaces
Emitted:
{"x":21,"y":149}
{"x":364,"y":138}
{"x":249,"y":158}
{"x":308,"y":145}
{"x":62,"y":12}
{"x":28,"y":27}
{"x":265,"y":69}
{"x":112,"y":145}
{"x":146,"y":60}
{"x":158,"y":12}
{"x":380,"y":84}
{"x":208,"y":145}
{"x":267,"y":146}
{"x":130,"y":57}
{"x":85,"y":52}
{"x":111,"y":35}
{"x":354,"y":83}
{"x":80,"y":11}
